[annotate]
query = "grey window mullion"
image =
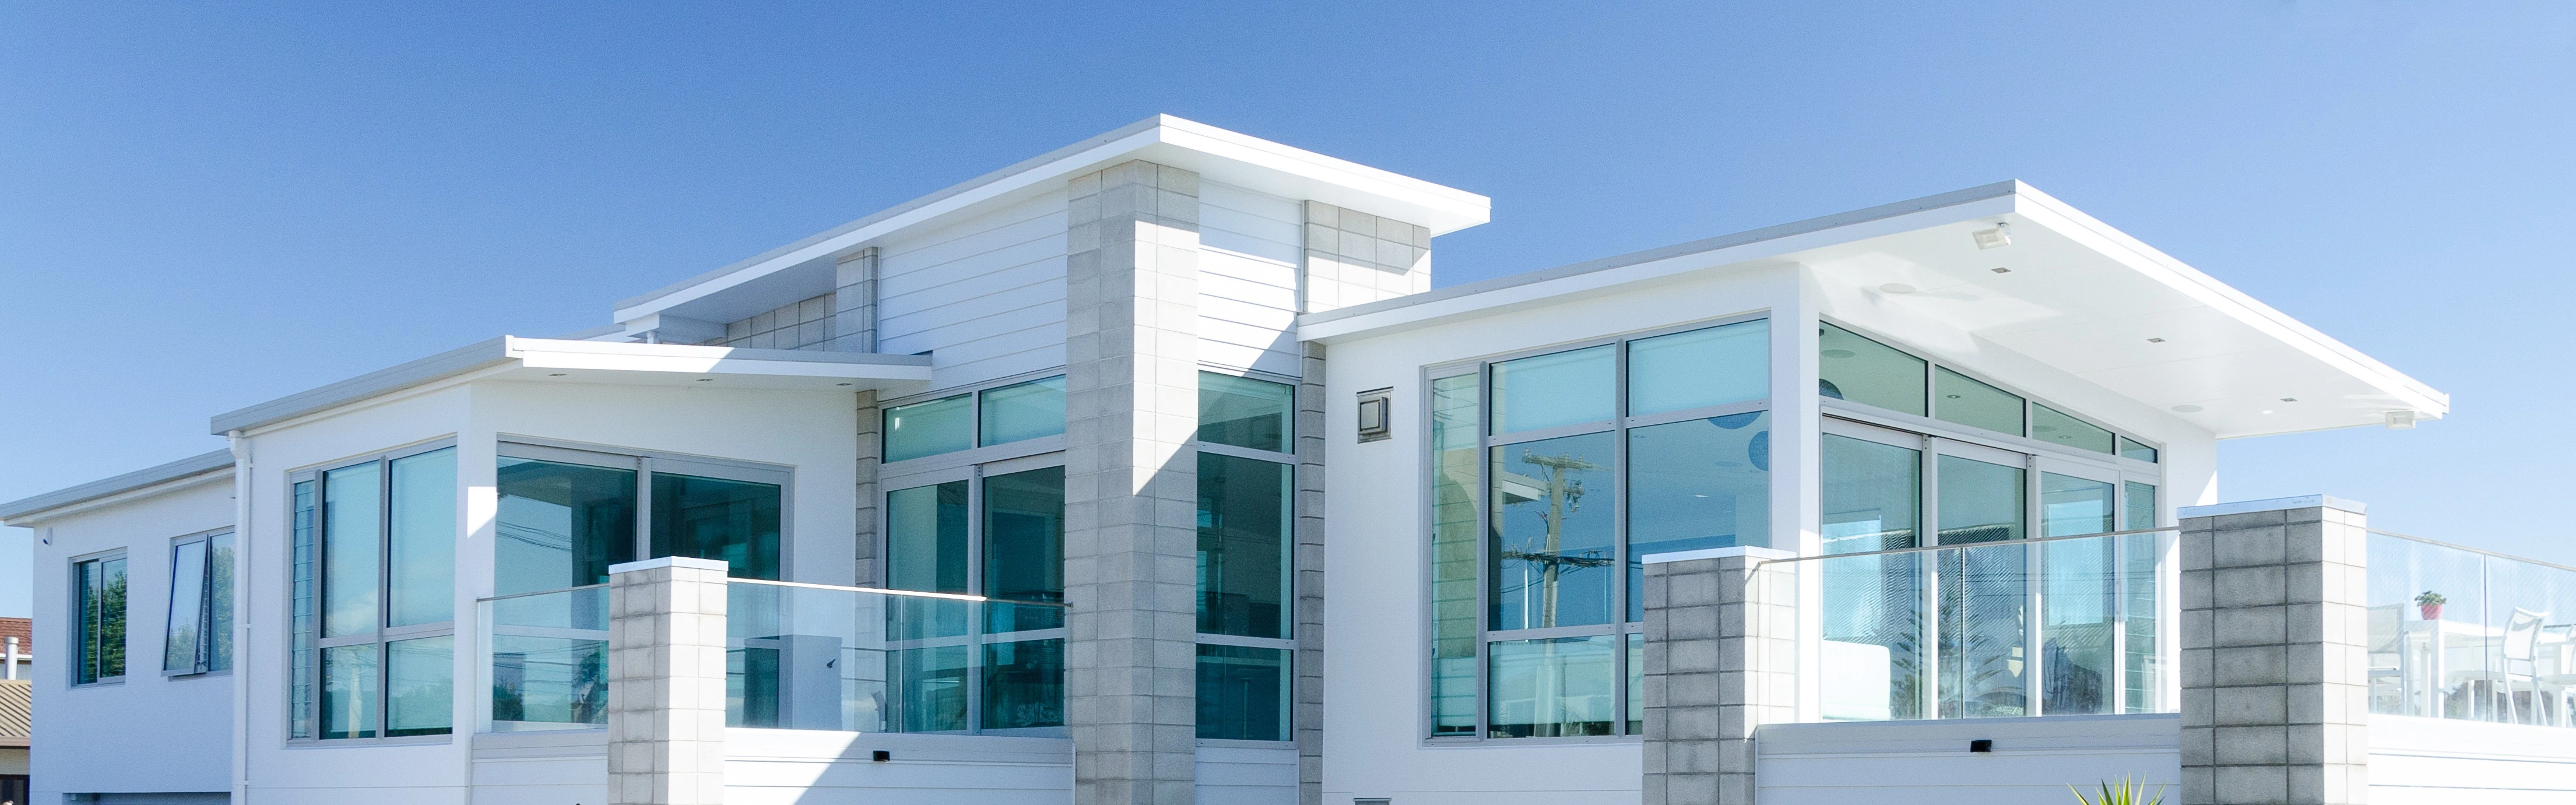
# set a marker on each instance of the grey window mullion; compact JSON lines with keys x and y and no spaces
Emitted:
{"x":1483,"y":503}
{"x":1688,"y":414}
{"x":978,"y":617}
{"x":1619,"y":592}
{"x":384,"y":593}
{"x":1519,"y":437}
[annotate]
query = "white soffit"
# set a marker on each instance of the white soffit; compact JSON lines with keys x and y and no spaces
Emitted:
{"x":554,"y":360}
{"x":806,"y":268}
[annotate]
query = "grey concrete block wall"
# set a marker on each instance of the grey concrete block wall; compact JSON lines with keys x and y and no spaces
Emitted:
{"x":803,"y":324}
{"x":854,"y":302}
{"x":666,"y":682}
{"x":1355,"y":258}
{"x":1721,"y":660}
{"x":871,"y":453}
{"x":2275,"y":700}
{"x":1131,"y":485}
{"x":1307,"y":563}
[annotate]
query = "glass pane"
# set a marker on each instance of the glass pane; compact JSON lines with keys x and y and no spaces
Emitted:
{"x":1980,"y":502}
{"x":932,"y":682}
{"x":1969,"y":401}
{"x":2429,"y":631}
{"x":929,"y":428}
{"x":2139,"y":510}
{"x":2529,"y":609}
{"x":180,"y":650}
{"x":101,"y":640}
{"x":549,"y":680}
{"x":1024,"y":548}
{"x":2056,"y":427}
{"x":1873,"y":653}
{"x":350,"y":536}
{"x":1547,"y":391}
{"x":1867,"y":372}
{"x":423,"y":543}
{"x":2079,"y":612}
{"x":1454,"y":619}
{"x":1715,"y":366}
{"x":926,"y":538}
{"x":1024,"y":411}
{"x":1244,"y":412}
{"x":561,"y":525}
{"x":1552,"y":688}
{"x":219,"y":602}
{"x":1024,"y":684}
{"x":1551,"y":555}
{"x":420,"y":686}
{"x":2069,"y":506}
{"x":715,"y":518}
{"x":1243,"y":693}
{"x":1636,"y":690}
{"x":1243,"y":546}
{"x":1693,"y":484}
{"x":302,"y":622}
{"x":1985,"y":600}
{"x":1873,"y":495}
{"x":2141,"y":557}
{"x":2130,"y":449}
{"x":349,"y":692}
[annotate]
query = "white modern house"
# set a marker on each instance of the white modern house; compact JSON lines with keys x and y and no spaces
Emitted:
{"x":1155,"y":470}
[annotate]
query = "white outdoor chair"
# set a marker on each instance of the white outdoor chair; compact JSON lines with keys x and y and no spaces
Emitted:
{"x":2521,"y":661}
{"x":2387,"y":654}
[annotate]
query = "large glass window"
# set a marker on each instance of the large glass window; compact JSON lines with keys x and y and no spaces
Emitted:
{"x":1243,"y":693}
{"x":1247,"y":488}
{"x":926,"y":538}
{"x":1021,"y":411}
{"x":1870,"y":373}
{"x":1974,"y":403}
{"x":1981,"y":501}
{"x":999,"y":415}
{"x":1243,"y":546}
{"x":1000,"y":536}
{"x":1550,"y":488}
{"x":944,"y":425}
{"x":1873,"y":495}
{"x":561,"y":524}
{"x":2057,"y":427}
{"x":200,"y":635}
{"x":98,"y":629}
{"x":733,"y":521}
{"x":566,"y":515}
{"x":1244,"y":412}
{"x":377,"y":539}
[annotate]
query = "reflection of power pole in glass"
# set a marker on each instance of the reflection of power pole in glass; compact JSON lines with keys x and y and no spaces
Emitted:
{"x":1564,"y":497}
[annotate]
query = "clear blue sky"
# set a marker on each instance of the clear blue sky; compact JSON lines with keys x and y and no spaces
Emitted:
{"x":203,"y":208}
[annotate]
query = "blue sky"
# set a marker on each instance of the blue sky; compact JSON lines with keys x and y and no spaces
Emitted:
{"x":203,"y":208}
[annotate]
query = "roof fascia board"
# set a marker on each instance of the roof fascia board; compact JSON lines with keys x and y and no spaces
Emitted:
{"x":45,"y":506}
{"x":1456,"y":208}
{"x":1608,"y":274}
{"x":479,"y":355}
{"x":541,"y":353}
{"x":2047,"y":211}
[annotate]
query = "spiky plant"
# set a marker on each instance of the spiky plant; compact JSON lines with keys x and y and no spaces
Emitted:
{"x":2126,"y":792}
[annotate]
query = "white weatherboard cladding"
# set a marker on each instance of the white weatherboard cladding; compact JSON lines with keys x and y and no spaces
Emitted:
{"x":984,"y":296}
{"x":2432,"y":761}
{"x":1244,"y":775}
{"x":1248,"y":254}
{"x":2034,"y":759}
{"x":189,"y":737}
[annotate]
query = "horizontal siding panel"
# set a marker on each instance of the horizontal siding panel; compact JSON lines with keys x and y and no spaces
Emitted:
{"x":942,"y":322}
{"x":894,"y":285}
{"x":1020,"y":222}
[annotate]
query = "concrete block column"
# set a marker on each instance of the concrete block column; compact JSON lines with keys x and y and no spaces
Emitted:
{"x":1131,"y":485}
{"x":1307,"y":713}
{"x":854,"y":302}
{"x":1721,"y":660}
{"x":871,"y":452}
{"x":666,"y":682}
{"x":2275,"y":700}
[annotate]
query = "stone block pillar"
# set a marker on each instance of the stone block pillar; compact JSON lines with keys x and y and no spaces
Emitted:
{"x":666,"y":682}
{"x":1131,"y":485}
{"x":1721,"y":660}
{"x":2275,"y":700}
{"x":871,"y":453}
{"x":1307,"y":712}
{"x":854,"y":302}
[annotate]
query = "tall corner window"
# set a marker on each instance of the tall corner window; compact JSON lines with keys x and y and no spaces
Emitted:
{"x":200,"y":635}
{"x":373,"y":605}
{"x":98,"y":627}
{"x":1246,"y":494}
{"x":1549,"y":487}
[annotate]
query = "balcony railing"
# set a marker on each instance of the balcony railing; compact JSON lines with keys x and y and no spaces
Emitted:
{"x":807,"y":656}
{"x":2460,"y":633}
{"x":545,"y":657}
{"x":2071,"y":625}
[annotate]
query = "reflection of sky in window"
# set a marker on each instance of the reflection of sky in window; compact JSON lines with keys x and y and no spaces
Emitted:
{"x":535,"y":542}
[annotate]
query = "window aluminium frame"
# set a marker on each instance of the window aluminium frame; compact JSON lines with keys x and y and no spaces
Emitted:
{"x":1931,"y":421}
{"x":976,"y":451}
{"x":381,"y":636}
{"x":1487,"y":441}
{"x":80,"y":648}
{"x":1001,"y":459}
{"x":206,"y":642}
{"x":1287,"y":640}
{"x":644,"y":463}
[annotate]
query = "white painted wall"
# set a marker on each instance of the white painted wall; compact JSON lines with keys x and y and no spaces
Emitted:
{"x":1928,"y":763}
{"x":1247,"y":774}
{"x":167,"y":734}
{"x":2433,"y":761}
{"x":1250,"y":245}
{"x":814,"y":767}
{"x":985,"y":296}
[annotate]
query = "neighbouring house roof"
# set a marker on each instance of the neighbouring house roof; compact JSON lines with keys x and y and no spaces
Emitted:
{"x":16,"y":721}
{"x":2070,"y":292}
{"x":22,"y":628}
{"x":217,"y":461}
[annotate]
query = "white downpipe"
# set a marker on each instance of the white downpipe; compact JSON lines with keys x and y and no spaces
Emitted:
{"x":242,"y":475}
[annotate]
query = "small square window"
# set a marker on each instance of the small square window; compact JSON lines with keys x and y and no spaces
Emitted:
{"x":1375,"y":421}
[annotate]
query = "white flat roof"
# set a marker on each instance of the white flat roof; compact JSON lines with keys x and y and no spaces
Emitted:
{"x":203,"y":464}
{"x":2079,"y":295}
{"x":805,"y":268}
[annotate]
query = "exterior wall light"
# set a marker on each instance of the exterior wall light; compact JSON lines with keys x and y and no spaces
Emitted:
{"x":1996,"y":238}
{"x":2401,"y":420}
{"x":1374,"y":409}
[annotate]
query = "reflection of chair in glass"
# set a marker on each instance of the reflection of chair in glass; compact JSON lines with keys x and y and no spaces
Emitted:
{"x":2521,"y":639}
{"x":2387,"y":667}
{"x":2556,"y":650}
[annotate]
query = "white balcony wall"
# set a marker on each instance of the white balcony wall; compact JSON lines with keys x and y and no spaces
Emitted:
{"x":1928,"y":762}
{"x":183,"y":724}
{"x":984,"y":296}
{"x":2433,"y":761}
{"x":1250,"y":246}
